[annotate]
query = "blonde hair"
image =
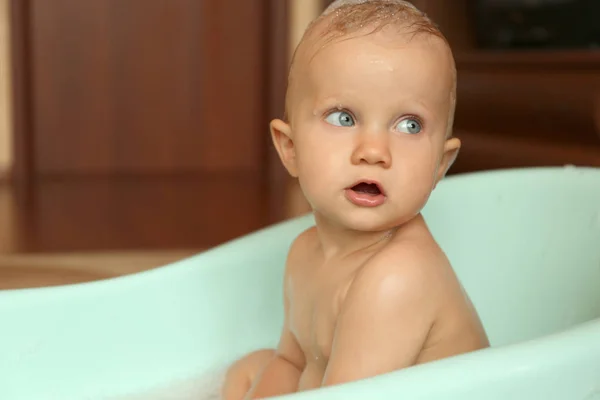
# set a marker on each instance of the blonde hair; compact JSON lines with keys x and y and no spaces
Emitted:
{"x":353,"y":15}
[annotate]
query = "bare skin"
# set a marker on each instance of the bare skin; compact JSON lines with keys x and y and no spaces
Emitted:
{"x":367,"y":290}
{"x":389,"y":306}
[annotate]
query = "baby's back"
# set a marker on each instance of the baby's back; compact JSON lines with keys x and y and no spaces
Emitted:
{"x":391,"y":306}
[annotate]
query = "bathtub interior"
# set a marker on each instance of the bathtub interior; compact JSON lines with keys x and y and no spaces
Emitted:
{"x":525,"y":244}
{"x":129,"y":335}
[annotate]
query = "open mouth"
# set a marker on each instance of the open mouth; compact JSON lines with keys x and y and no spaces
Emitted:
{"x":372,"y":189}
{"x":366,"y":194}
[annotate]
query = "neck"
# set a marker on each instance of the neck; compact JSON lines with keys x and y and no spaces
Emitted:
{"x":339,"y":241}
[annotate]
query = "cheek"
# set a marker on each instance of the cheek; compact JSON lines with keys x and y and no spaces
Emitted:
{"x":313,"y":161}
{"x":319,"y":155}
{"x":418,"y":166}
{"x":418,"y":155}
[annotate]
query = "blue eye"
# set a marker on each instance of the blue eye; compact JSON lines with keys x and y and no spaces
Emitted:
{"x":340,"y":118}
{"x":409,"y":125}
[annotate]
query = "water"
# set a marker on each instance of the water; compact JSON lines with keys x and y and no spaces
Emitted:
{"x":593,"y":395}
{"x":206,"y":386}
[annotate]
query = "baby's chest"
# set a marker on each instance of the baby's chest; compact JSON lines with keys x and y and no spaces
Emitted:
{"x":312,"y":319}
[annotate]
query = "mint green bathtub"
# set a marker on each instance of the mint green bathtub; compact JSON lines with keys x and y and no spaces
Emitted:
{"x":525,"y":243}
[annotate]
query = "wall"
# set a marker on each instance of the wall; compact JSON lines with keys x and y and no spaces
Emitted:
{"x":301,"y":13}
{"x":5,"y":110}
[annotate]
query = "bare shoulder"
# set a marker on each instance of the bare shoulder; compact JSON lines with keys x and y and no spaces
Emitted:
{"x":302,"y":246}
{"x":409,"y":272}
{"x":307,"y":238}
{"x":303,"y":243}
{"x":412,"y":279}
{"x":388,"y":311}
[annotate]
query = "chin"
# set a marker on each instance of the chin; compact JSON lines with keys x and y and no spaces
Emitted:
{"x":368,"y":220}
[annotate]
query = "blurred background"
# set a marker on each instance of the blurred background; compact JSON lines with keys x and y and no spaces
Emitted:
{"x":135,"y":132}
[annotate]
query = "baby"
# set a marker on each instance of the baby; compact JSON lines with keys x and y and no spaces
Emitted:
{"x":368,"y":134}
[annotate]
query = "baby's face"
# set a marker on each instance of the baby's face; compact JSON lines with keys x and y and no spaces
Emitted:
{"x":371,"y":109}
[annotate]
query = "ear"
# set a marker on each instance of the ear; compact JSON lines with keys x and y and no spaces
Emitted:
{"x":281,"y":133}
{"x":451,"y":149}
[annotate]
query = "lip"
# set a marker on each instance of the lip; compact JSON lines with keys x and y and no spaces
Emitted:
{"x":365,"y":199}
{"x":368,"y":182}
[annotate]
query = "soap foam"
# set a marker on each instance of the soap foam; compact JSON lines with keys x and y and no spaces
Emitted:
{"x":206,"y":386}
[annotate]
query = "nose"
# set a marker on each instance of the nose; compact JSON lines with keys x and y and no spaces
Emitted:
{"x":373,"y":149}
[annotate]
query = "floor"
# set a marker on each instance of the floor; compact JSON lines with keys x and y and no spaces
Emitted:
{"x":76,"y":230}
{"x":18,"y":271}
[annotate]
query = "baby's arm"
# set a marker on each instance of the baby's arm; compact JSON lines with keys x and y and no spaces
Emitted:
{"x":384,"y":322}
{"x":282,"y":374}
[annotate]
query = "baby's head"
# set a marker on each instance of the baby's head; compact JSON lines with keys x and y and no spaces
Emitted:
{"x":347,"y":18}
{"x":371,"y":98}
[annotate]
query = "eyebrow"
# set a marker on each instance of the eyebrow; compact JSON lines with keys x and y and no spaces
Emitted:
{"x":329,"y":102}
{"x":418,"y":107}
{"x":423,"y":108}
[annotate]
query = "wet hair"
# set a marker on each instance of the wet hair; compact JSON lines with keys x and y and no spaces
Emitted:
{"x":353,"y":15}
{"x":346,"y":17}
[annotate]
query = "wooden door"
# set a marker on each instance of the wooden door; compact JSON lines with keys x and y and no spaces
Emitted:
{"x":146,"y":86}
{"x":144,"y":123}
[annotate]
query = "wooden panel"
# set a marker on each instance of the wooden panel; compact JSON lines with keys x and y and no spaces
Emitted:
{"x":22,"y":165}
{"x":20,"y":271}
{"x":550,"y":105}
{"x":280,"y":50}
{"x":106,"y":213}
{"x":5,"y":93}
{"x":8,"y":220}
{"x":141,"y":86}
{"x":452,"y":18}
{"x":485,"y":152}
